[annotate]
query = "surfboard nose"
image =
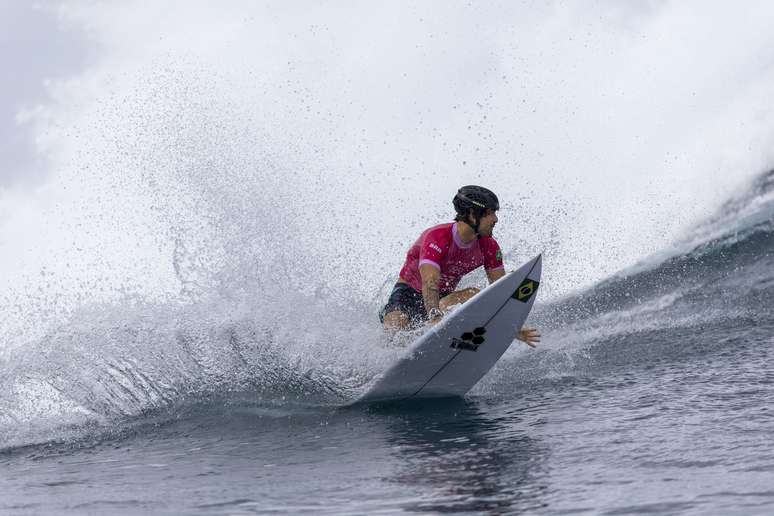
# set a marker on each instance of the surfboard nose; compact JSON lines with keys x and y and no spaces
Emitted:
{"x":537,"y":267}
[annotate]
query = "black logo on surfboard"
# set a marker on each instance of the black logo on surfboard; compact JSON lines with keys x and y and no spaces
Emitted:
{"x":526,"y":290}
{"x":470,"y":340}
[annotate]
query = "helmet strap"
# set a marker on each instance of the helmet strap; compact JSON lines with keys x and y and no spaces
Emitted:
{"x":477,"y":221}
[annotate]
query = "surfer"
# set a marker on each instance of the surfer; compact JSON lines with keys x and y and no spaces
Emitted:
{"x":439,"y":259}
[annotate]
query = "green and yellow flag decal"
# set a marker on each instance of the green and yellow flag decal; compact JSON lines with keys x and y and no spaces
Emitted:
{"x":526,"y":290}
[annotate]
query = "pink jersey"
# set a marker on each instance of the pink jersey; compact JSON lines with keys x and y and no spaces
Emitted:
{"x":441,"y":247}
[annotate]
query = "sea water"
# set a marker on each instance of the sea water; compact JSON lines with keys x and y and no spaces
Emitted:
{"x":215,"y":202}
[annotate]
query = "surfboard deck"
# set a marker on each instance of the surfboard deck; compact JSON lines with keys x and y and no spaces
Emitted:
{"x":455,"y":354}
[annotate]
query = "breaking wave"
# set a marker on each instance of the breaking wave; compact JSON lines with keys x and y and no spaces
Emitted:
{"x":225,"y":210}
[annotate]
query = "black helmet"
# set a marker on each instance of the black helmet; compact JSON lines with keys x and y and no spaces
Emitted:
{"x":475,"y":197}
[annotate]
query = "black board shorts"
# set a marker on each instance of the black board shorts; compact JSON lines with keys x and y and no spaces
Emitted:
{"x":407,"y":300}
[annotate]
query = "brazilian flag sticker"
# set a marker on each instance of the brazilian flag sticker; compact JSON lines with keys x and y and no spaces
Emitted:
{"x":526,"y":290}
{"x":499,"y":255}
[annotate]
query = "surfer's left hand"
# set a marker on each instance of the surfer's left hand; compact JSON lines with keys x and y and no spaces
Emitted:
{"x":529,"y":336}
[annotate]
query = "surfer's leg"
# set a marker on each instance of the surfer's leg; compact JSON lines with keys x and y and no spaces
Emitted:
{"x":457,"y":297}
{"x":404,"y":309}
{"x":396,"y":321}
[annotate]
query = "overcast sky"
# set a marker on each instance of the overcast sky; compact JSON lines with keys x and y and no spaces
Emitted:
{"x":34,"y":46}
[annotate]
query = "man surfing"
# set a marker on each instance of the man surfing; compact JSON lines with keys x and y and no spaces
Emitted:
{"x":439,"y":259}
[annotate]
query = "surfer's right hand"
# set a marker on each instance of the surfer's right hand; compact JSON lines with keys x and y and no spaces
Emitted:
{"x":529,"y":336}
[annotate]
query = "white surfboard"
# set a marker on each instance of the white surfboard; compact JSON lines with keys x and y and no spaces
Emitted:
{"x":456,"y":353}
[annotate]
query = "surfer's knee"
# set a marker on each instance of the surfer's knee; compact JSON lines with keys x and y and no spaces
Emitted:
{"x":472,"y":291}
{"x":458,"y":297}
{"x":466,"y":293}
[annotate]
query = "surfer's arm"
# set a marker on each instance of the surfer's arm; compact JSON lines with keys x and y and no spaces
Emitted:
{"x":431,"y":276}
{"x":495,"y":274}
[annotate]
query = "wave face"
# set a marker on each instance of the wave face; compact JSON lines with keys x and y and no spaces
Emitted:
{"x":229,"y":193}
{"x":711,"y":290}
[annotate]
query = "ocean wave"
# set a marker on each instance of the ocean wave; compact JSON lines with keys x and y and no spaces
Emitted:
{"x":107,"y":365}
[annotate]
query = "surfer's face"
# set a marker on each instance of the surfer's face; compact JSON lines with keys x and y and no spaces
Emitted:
{"x":487,"y":223}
